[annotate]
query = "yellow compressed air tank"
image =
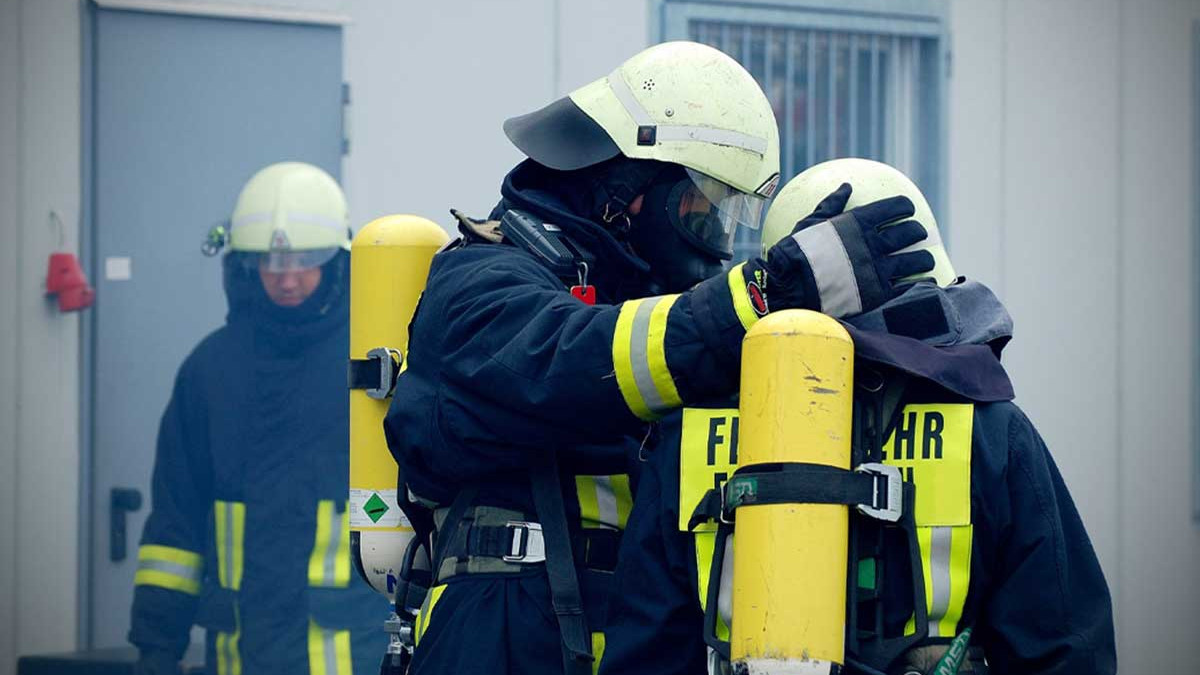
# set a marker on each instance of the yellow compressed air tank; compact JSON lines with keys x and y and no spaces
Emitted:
{"x":389,"y":261}
{"x":789,"y":562}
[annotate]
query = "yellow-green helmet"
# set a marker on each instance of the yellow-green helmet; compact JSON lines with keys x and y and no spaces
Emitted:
{"x":293,"y":212}
{"x":678,"y":102}
{"x":871,"y":181}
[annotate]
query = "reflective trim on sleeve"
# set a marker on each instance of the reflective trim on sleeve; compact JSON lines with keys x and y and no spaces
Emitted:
{"x":741,"y":299}
{"x":836,"y":284}
{"x":175,"y":569}
{"x":329,"y":564}
{"x":431,"y":600}
{"x":328,"y":651}
{"x":597,"y":651}
{"x":604,"y":500}
{"x":229,"y":519}
{"x":229,"y":658}
{"x":639,"y":357}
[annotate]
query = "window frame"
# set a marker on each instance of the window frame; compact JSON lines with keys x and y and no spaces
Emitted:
{"x":924,"y":19}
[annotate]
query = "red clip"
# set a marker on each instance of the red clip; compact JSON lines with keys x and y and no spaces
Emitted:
{"x":586,"y":294}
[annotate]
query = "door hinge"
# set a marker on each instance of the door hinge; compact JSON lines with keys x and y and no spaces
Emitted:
{"x":345,"y":118}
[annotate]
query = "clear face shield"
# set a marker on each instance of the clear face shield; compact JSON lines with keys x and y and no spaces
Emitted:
{"x":281,"y":262}
{"x":707,"y":212}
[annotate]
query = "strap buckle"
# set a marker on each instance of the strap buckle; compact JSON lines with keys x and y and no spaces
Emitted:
{"x":887,"y":495}
{"x":528,"y":546}
{"x":389,"y":367}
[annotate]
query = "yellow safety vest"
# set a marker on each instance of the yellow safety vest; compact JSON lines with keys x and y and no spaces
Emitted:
{"x":932,"y":446}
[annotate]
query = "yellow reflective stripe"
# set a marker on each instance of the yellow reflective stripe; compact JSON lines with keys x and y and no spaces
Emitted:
{"x":657,"y":353}
{"x":624,"y":496}
{"x":604,"y":500}
{"x":230,"y":521}
{"x":175,"y":569}
{"x":328,"y":651}
{"x":431,"y":600}
{"x":741,"y":299}
{"x":639,"y":357}
{"x":597,"y":651}
{"x":623,"y":360}
{"x":960,"y":580}
{"x":229,"y":659}
{"x":329,"y":564}
{"x":705,"y":548}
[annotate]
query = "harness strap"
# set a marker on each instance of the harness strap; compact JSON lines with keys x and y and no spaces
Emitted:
{"x":560,"y":569}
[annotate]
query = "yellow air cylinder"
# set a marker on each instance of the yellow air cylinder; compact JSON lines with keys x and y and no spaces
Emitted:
{"x":789,"y":561}
{"x":389,"y":261}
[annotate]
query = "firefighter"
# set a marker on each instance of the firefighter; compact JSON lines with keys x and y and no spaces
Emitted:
{"x":590,"y":303}
{"x":1009,"y":570}
{"x":248,"y":533}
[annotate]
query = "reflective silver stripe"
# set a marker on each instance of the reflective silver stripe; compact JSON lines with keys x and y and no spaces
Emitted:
{"x":939,"y":576}
{"x":172,"y":568}
{"x":831,"y":268}
{"x":329,"y":565}
{"x":227,"y":551}
{"x":678,"y":132}
{"x":639,"y":356}
{"x":606,"y":501}
{"x":329,"y":649}
{"x":296,"y":216}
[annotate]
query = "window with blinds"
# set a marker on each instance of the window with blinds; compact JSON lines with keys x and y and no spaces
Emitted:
{"x":842,"y":84}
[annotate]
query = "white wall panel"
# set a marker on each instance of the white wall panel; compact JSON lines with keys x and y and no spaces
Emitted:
{"x":1160,"y":543}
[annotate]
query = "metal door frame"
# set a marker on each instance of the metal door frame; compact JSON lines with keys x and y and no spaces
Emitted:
{"x":87,"y":245}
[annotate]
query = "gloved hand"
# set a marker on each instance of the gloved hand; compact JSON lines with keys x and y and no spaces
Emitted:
{"x":842,"y":264}
{"x":156,"y":662}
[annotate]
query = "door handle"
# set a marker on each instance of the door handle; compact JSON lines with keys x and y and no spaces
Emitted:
{"x":121,"y":501}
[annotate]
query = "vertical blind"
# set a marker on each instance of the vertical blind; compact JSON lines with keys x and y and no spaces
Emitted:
{"x":840,"y":94}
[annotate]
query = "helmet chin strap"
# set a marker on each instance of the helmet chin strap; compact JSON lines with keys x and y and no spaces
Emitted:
{"x":615,"y":185}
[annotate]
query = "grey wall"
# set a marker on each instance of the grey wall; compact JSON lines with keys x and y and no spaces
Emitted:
{"x":1072,"y":192}
{"x":39,"y":348}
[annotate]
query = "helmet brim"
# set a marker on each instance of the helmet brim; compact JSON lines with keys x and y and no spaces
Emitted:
{"x":561,"y":136}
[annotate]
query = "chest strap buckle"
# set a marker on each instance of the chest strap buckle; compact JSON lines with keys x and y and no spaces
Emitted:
{"x":528,"y":546}
{"x":887,"y":498}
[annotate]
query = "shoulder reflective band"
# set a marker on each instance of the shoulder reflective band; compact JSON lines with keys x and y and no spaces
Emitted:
{"x":604,"y":500}
{"x":230,"y":523}
{"x":431,"y":599}
{"x":229,"y":658}
{"x":741,"y":297}
{"x":175,"y":569}
{"x":328,"y":651}
{"x":329,"y":564}
{"x":640,"y":360}
{"x":678,"y":132}
{"x":708,"y":445}
{"x":931,"y":445}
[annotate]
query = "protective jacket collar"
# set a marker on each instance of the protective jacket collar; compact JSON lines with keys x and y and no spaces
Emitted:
{"x":950,"y":336}
{"x":558,"y":198}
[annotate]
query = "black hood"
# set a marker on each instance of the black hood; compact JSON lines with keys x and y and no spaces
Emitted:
{"x":569,"y":199}
{"x":326,"y":310}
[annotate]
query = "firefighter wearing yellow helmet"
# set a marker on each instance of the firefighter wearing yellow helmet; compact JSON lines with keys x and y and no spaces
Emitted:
{"x":248,"y":533}
{"x":592,"y":301}
{"x":884,"y":450}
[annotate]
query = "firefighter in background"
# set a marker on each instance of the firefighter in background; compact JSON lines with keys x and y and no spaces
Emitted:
{"x":248,"y":533}
{"x":593,"y":302}
{"x":1003,"y":551}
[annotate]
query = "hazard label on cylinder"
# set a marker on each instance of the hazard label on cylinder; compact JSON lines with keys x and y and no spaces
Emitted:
{"x":375,"y":509}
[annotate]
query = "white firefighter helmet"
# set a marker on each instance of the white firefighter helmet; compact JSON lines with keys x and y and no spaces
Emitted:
{"x":678,"y":102}
{"x":293,"y":213}
{"x":871,"y":181}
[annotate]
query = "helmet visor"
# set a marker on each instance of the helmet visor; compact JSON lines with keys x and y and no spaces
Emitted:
{"x":279,"y":262}
{"x":709,"y":213}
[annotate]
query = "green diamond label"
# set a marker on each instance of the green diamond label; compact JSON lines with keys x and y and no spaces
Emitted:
{"x":375,"y":508}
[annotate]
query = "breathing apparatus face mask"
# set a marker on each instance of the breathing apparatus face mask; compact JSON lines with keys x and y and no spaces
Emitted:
{"x":704,"y":211}
{"x":686,"y":227}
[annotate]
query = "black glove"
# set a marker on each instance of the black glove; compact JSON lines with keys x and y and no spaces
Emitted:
{"x":156,"y":662}
{"x":842,"y":264}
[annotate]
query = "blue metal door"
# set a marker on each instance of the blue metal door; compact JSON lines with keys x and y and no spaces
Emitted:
{"x":183,"y":110}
